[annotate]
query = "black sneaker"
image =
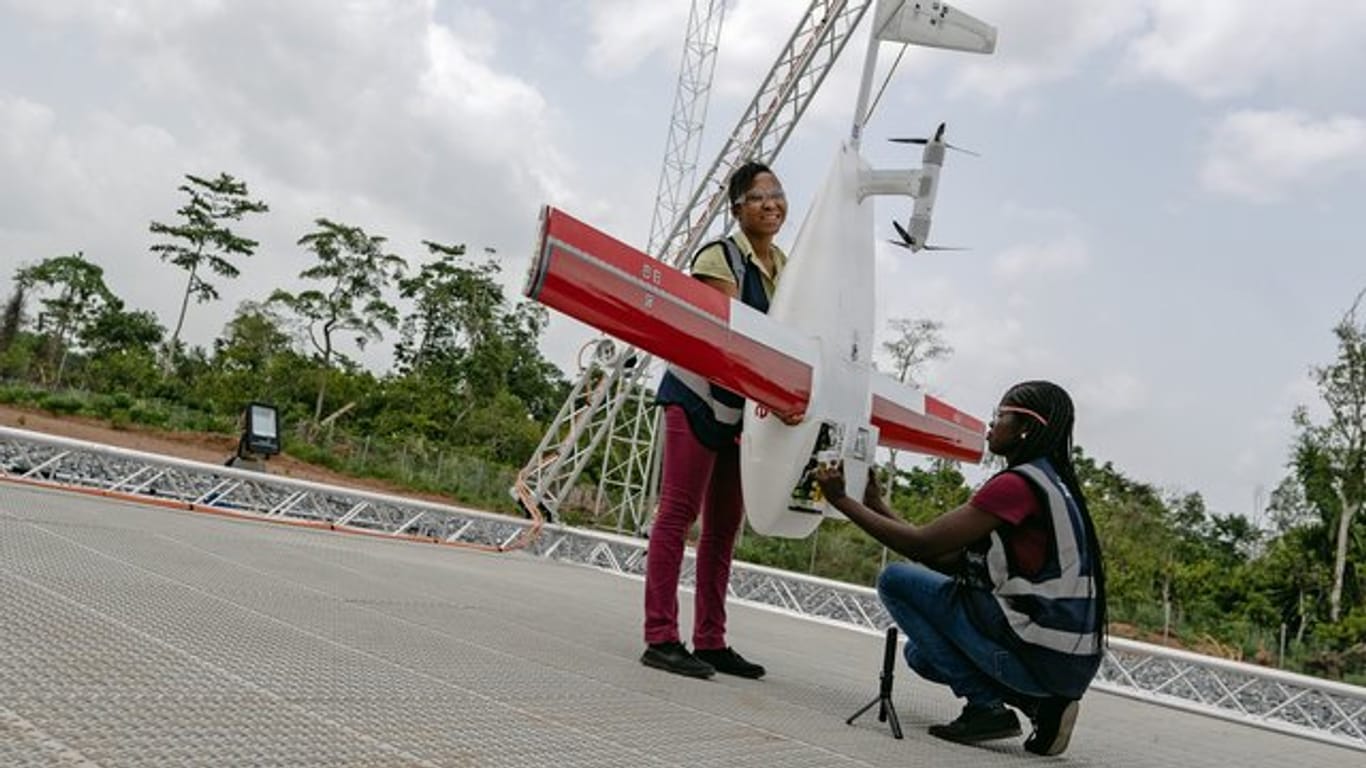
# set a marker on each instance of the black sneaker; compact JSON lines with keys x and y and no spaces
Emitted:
{"x":674,"y":657}
{"x":975,"y":724}
{"x":726,"y":660}
{"x":1052,"y":726}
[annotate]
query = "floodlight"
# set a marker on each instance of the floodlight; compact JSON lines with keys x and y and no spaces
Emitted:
{"x":260,"y":431}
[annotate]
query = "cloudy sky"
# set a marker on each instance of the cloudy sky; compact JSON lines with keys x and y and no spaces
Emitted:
{"x":1161,"y":219}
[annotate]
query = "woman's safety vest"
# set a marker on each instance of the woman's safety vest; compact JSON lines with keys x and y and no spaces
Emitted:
{"x":714,"y":413}
{"x":1051,"y":616}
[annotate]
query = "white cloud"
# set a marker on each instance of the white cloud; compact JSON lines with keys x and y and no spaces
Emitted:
{"x":1265,"y":156}
{"x":1219,"y":48}
{"x":502,"y":116}
{"x":28,"y":151}
{"x":71,"y":181}
{"x":1067,"y":253}
{"x":626,"y":32}
{"x":442,"y":120}
{"x":140,"y":17}
{"x":1042,"y":42}
{"x":1112,"y":392}
{"x":754,"y":33}
{"x":372,"y":113}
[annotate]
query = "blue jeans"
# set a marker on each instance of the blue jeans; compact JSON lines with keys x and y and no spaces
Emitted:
{"x":944,"y":646}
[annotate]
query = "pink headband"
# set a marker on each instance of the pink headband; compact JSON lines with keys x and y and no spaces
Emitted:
{"x":1025,"y":411}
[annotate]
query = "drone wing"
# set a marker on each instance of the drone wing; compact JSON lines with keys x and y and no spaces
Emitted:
{"x":625,"y":293}
{"x":910,"y":420}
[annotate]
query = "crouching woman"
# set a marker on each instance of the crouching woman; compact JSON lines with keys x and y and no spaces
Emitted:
{"x":1004,"y":601}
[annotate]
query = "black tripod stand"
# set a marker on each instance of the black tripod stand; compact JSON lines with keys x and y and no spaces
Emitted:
{"x":886,"y":713}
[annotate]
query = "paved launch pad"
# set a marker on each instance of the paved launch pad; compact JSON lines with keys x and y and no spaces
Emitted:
{"x":140,"y":636}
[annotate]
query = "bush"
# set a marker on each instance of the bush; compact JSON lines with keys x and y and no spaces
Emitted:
{"x":62,"y":404}
{"x":102,"y":406}
{"x":148,"y":413}
{"x":16,"y":394}
{"x":1347,"y":633}
{"x":1347,"y":664}
{"x":119,"y":418}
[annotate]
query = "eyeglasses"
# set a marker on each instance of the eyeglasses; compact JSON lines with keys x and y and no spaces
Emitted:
{"x":759,"y":198}
{"x":996,"y":415}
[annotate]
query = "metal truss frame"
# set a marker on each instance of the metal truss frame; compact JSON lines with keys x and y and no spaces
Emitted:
{"x":689,"y":115}
{"x":589,"y":414}
{"x":1266,"y":698}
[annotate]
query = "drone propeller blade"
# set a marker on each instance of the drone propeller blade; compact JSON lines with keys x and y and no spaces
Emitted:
{"x":901,"y":244}
{"x":944,"y":248}
{"x":922,"y":142}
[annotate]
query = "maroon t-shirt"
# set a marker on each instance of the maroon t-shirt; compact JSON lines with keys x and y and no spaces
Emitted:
{"x":1010,"y":497}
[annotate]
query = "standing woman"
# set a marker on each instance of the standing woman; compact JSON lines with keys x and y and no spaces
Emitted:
{"x":1013,"y":611}
{"x":701,"y":455}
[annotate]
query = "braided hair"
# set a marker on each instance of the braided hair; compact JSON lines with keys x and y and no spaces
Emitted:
{"x":1053,"y":441}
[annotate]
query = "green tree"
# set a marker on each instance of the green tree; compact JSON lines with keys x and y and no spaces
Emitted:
{"x":122,"y":349}
{"x":12,"y":317}
{"x":249,"y":341}
{"x":115,"y":329}
{"x":79,"y":296}
{"x":462,"y":338}
{"x":1294,"y":570}
{"x":537,"y":382}
{"x":456,"y":308}
{"x":354,"y":270}
{"x":1331,"y":457}
{"x":915,"y":342}
{"x":202,"y":241}
{"x":255,"y":357}
{"x":924,"y":493}
{"x":1140,"y":547}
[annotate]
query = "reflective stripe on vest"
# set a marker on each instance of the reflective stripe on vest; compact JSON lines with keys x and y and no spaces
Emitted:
{"x":1064,"y":589}
{"x":724,"y":407}
{"x":708,"y":393}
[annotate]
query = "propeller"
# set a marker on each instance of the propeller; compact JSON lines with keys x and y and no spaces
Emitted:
{"x":939,"y":137}
{"x":908,"y":242}
{"x":954,"y":147}
{"x":908,"y":247}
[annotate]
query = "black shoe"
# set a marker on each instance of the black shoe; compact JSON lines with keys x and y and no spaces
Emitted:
{"x":975,"y":725}
{"x":726,"y":660}
{"x":674,"y":657}
{"x":1052,"y":726}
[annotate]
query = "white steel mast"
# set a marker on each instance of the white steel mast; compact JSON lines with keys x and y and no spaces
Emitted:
{"x":627,"y":478}
{"x":613,"y":376}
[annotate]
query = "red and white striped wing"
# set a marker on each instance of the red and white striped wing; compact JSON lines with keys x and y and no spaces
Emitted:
{"x":621,"y":291}
{"x":909,"y":420}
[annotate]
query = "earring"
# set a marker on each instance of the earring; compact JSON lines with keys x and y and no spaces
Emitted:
{"x":1024,"y":435}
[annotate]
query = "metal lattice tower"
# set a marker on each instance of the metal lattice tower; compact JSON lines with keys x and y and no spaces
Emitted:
{"x":627,"y":477}
{"x":689,"y":116}
{"x":589,"y":414}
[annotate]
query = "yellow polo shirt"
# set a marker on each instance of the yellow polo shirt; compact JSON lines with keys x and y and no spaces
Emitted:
{"x":711,"y":262}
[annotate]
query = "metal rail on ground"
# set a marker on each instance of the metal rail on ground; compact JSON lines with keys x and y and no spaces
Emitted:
{"x":1266,"y":698}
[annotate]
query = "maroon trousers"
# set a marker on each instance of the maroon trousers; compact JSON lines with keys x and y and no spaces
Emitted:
{"x":696,"y":480}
